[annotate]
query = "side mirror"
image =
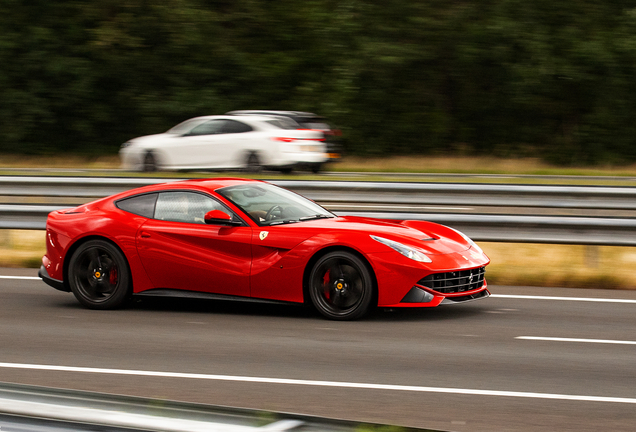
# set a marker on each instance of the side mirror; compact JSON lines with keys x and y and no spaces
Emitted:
{"x":218,"y":217}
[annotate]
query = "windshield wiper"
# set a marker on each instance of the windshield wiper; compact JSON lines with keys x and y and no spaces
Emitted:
{"x":316,"y":216}
{"x":285,"y":221}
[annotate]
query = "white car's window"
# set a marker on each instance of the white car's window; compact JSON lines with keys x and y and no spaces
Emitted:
{"x":284,"y":123}
{"x":315,"y":125}
{"x":233,"y":126}
{"x":267,"y":204}
{"x":188,"y":207}
{"x":209,"y":128}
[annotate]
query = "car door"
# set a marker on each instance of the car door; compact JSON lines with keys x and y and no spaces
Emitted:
{"x":179,"y":251}
{"x":205,"y":146}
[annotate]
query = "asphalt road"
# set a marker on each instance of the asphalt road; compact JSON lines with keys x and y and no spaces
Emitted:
{"x":470,"y":367}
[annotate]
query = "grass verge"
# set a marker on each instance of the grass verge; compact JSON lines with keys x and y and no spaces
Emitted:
{"x":389,"y":164}
{"x":574,"y":266}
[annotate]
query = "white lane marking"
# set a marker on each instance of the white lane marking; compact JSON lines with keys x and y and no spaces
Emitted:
{"x":21,"y":277}
{"x":557,"y":339}
{"x":583,"y":299}
{"x":315,"y":383}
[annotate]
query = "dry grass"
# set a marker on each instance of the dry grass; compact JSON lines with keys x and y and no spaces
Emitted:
{"x":512,"y":264}
{"x":411,"y":164}
{"x":22,"y":248}
{"x":59,"y":162}
{"x":574,"y":266}
{"x":476,"y":165}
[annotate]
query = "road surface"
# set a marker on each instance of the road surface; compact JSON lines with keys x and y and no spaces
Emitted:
{"x":526,"y":359}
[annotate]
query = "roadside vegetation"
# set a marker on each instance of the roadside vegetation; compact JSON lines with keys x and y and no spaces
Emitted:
{"x":545,"y":79}
{"x":371,"y":167}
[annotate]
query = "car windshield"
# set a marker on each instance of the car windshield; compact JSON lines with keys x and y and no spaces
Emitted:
{"x":268,"y":205}
{"x":186,"y":126}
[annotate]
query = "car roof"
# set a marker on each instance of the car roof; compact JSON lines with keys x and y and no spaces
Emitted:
{"x":292,"y":114}
{"x":263,"y":117}
{"x":210,"y":184}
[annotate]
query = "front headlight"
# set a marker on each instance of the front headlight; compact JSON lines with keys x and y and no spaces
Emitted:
{"x":407,"y":251}
{"x":468,"y":239}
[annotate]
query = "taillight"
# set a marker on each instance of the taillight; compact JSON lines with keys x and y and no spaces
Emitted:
{"x":287,"y":140}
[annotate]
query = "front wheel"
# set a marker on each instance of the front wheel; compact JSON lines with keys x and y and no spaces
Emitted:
{"x":150,"y":163}
{"x":341,"y":286}
{"x":98,"y":275}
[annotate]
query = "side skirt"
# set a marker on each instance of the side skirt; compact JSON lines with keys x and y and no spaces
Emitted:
{"x":166,"y":292}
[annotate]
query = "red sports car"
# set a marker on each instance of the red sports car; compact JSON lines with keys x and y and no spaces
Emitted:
{"x":248,"y":239}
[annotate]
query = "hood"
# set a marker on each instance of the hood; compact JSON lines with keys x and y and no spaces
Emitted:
{"x":434,"y":239}
{"x":146,"y":139}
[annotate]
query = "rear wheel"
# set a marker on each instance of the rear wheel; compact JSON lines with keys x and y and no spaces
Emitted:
{"x":341,"y":286}
{"x":150,"y":162}
{"x":253,"y":164}
{"x":98,"y":275}
{"x":316,"y":168}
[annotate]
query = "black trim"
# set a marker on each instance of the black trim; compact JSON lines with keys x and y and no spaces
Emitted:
{"x":417,"y":295}
{"x":168,"y":292}
{"x":57,"y":284}
{"x":463,"y":299}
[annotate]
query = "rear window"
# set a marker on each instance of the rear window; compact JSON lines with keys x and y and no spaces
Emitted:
{"x":142,"y":205}
{"x":315,"y":125}
{"x":284,"y":123}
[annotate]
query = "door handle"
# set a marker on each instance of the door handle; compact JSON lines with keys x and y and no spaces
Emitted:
{"x":145,"y":234}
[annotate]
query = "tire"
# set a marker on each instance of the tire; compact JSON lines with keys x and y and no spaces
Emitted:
{"x":99,"y":276}
{"x":341,"y":286}
{"x":286,"y":170}
{"x":316,"y":168}
{"x":253,"y":164}
{"x":150,"y":163}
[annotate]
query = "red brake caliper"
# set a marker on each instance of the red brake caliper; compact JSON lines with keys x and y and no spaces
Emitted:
{"x":112,"y":277}
{"x":325,"y":284}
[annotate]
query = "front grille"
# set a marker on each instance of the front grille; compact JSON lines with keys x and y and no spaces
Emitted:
{"x":455,"y":282}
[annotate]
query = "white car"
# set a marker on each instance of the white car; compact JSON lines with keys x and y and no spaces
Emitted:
{"x":248,"y":142}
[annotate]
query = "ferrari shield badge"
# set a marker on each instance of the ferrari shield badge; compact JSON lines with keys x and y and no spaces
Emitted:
{"x":263,"y":234}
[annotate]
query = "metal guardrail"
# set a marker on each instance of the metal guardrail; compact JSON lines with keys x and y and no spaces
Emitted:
{"x":593,"y":215}
{"x":33,"y":408}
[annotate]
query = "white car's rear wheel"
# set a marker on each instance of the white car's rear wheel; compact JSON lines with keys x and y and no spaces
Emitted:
{"x":253,"y":163}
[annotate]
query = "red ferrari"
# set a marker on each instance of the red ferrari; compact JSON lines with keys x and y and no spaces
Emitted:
{"x":251,"y":240}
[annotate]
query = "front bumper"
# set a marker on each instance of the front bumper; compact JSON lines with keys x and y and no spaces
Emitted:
{"x":400,"y":280}
{"x":57,"y":284}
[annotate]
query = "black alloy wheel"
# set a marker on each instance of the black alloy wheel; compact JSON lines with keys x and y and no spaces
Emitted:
{"x":99,"y":276}
{"x":253,"y":164}
{"x":341,"y":286}
{"x":150,"y":162}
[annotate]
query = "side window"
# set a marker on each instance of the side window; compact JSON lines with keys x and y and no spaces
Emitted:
{"x":208,"y":128}
{"x":233,"y":126}
{"x":185,"y":207}
{"x":142,"y":205}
